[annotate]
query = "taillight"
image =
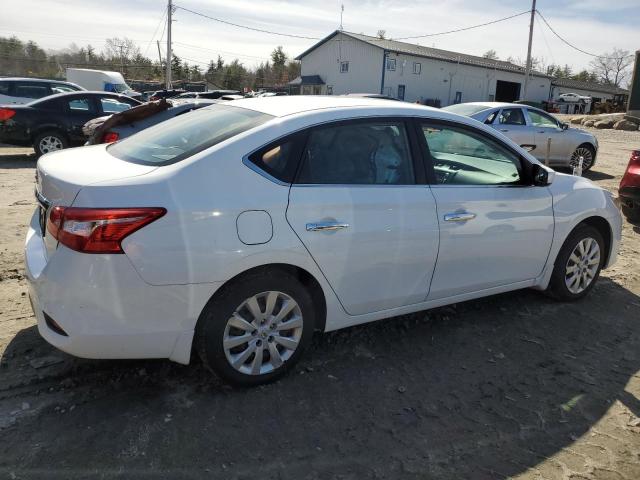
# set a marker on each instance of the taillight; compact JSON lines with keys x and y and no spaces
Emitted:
{"x":635,"y":157}
{"x":6,"y":114}
{"x":98,"y":230}
{"x":153,"y":97}
{"x":110,"y":137}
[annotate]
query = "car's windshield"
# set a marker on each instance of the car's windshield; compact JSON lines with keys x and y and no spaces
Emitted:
{"x":185,"y":135}
{"x":465,"y":109}
{"x":120,"y":87}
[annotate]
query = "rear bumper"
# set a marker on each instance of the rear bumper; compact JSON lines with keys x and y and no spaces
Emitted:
{"x":629,"y":198}
{"x":105,"y":308}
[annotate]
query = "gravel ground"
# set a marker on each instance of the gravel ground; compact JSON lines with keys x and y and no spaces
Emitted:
{"x":511,"y":386}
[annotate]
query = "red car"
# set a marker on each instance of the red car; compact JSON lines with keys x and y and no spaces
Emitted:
{"x":630,"y":190}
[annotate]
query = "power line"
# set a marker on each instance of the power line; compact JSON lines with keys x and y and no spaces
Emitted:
{"x":196,"y":47}
{"x":164,"y":12}
{"x":465,"y":28}
{"x":573,"y":46}
{"x":246,"y":27}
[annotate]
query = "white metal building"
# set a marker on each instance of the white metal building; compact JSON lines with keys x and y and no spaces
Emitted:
{"x":345,"y":62}
{"x":597,"y":92}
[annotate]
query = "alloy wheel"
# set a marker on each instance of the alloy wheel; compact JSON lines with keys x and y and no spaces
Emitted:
{"x":263,"y":333}
{"x":587,"y":158}
{"x":50,"y":144}
{"x":582,"y":266}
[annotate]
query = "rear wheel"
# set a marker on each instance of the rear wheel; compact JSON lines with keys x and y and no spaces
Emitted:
{"x":578,"y":264}
{"x":588,"y":154}
{"x":49,"y":141}
{"x":257,"y":329}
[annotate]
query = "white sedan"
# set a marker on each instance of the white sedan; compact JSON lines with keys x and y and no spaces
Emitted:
{"x":237,"y":230}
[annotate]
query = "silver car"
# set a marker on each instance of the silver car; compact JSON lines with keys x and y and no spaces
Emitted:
{"x":531,"y":128}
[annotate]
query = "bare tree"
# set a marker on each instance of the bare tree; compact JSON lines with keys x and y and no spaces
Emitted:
{"x":120,"y":48}
{"x":612,"y":68}
{"x":381,"y":34}
{"x":491,"y":55}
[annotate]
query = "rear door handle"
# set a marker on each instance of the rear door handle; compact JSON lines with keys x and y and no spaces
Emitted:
{"x":504,"y":129}
{"x":326,"y":226}
{"x":459,"y":217}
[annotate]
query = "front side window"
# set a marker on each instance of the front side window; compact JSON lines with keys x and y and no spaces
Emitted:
{"x":539,"y":119}
{"x":373,"y":153}
{"x":344,"y":67}
{"x":511,"y":116}
{"x":62,"y":88}
{"x":186,"y":135}
{"x":111,"y":105}
{"x":391,"y":63}
{"x":4,"y":88}
{"x":464,"y":157}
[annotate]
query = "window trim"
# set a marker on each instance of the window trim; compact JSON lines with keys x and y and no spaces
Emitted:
{"x":524,"y":167}
{"x":417,"y":159}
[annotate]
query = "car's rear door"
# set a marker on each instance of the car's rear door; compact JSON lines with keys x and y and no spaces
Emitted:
{"x":360,"y":206}
{"x":512,"y":123}
{"x":495,"y":227}
{"x":78,"y":110}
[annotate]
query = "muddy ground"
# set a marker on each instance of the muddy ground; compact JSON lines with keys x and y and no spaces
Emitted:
{"x":514,"y":385}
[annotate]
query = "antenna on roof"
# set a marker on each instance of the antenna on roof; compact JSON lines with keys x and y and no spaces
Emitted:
{"x":341,"y":12}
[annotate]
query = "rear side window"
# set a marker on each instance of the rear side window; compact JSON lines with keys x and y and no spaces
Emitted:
{"x":111,"y":105}
{"x":62,"y":88}
{"x":31,"y":90}
{"x":4,"y":88}
{"x":373,"y":153}
{"x":511,"y":116}
{"x":185,"y":135}
{"x":280,"y":159}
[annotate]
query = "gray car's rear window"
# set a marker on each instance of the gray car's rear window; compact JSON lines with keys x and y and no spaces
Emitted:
{"x":465,"y":109}
{"x":185,"y":135}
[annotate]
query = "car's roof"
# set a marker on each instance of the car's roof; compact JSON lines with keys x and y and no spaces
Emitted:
{"x":280,"y":106}
{"x":27,"y":79}
{"x":495,"y":104}
{"x":82,"y":93}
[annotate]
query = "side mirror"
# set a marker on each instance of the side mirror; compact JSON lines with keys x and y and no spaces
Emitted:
{"x":564,"y":126}
{"x":541,"y":176}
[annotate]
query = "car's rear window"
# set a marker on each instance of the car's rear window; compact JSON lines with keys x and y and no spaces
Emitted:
{"x":465,"y":109}
{"x":185,"y":135}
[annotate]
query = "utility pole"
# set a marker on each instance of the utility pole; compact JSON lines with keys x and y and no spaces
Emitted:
{"x":523,"y":96}
{"x":159,"y":54}
{"x":168,"y":71}
{"x":341,"y":13}
{"x":121,"y":47}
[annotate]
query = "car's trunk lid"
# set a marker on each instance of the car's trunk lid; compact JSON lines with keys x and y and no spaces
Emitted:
{"x":61,"y":175}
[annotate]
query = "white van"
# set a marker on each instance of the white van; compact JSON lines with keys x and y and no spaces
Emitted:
{"x":100,"y":80}
{"x":17,"y":91}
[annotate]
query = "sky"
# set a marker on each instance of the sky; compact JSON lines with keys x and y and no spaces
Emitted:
{"x":595,"y":26}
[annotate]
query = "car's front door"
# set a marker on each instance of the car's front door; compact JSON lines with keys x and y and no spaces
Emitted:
{"x":546,"y":127}
{"x":495,"y":229}
{"x":512,"y":123}
{"x":369,"y":222}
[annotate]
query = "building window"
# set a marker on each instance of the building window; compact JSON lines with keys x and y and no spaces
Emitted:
{"x":387,"y":91}
{"x":317,"y":89}
{"x":458,"y":98}
{"x":417,"y":68}
{"x":344,"y":67}
{"x":391,"y":64}
{"x":401,"y":89}
{"x":329,"y":89}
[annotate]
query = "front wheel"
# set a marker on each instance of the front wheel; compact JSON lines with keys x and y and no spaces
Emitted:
{"x":257,"y":329}
{"x":588,"y":154}
{"x":578,"y":264}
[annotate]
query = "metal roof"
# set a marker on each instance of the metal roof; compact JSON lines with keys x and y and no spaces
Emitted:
{"x":426,"y":52}
{"x":580,"y":85}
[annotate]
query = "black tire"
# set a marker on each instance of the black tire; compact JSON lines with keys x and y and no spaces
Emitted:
{"x":38,"y":141}
{"x":557,"y":286}
{"x":589,"y":147}
{"x":213,"y":320}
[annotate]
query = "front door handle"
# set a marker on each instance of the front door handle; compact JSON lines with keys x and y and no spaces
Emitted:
{"x":326,"y":226}
{"x":504,"y":129}
{"x":459,"y":217}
